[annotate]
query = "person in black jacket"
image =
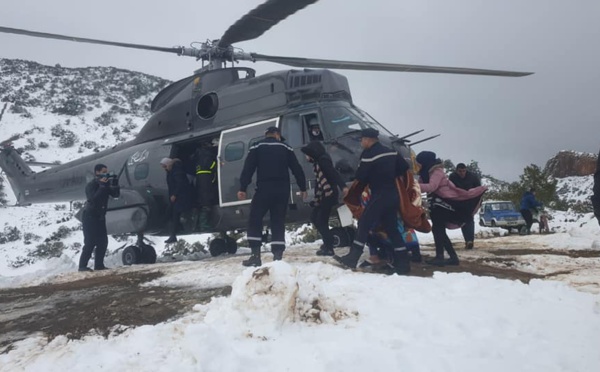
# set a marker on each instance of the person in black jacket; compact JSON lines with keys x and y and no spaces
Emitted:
{"x":328,"y":180}
{"x":93,"y":219}
{"x":180,"y":193}
{"x":271,"y":159}
{"x":596,"y":195}
{"x":205,"y":158}
{"x":465,"y":179}
{"x":379,"y":166}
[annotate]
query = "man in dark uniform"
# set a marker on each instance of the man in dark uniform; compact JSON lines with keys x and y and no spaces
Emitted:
{"x":180,"y":193}
{"x":465,"y":179}
{"x":93,"y":219}
{"x":379,"y":166}
{"x":206,"y":182}
{"x":272,"y":160}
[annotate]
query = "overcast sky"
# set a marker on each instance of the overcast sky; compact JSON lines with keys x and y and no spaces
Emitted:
{"x":504,"y":123}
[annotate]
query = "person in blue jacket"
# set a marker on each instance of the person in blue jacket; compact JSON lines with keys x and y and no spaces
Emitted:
{"x":529,"y":202}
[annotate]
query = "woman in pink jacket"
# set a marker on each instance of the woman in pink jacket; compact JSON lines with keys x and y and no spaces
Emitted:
{"x":449,"y":206}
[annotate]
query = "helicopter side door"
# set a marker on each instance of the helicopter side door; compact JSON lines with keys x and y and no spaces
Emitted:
{"x":294,"y":128}
{"x":233,"y":149}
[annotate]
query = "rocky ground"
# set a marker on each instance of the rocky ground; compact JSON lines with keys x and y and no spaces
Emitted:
{"x":110,"y":301}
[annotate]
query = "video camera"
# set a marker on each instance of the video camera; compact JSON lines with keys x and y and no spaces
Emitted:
{"x":112,"y":179}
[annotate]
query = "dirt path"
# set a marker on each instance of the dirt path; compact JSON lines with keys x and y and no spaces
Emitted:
{"x":102,"y":301}
{"x":93,"y":303}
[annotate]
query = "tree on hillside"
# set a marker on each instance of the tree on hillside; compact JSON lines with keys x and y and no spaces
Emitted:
{"x":448,"y":166}
{"x":473,"y":167}
{"x":545,"y":186}
{"x":532,"y":176}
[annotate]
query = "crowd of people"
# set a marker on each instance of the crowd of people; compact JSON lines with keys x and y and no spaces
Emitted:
{"x":378,"y":197}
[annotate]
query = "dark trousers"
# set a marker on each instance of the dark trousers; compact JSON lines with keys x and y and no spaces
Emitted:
{"x":468,"y":230}
{"x":320,"y":218}
{"x":526,"y":213}
{"x":94,"y":236}
{"x":275,"y":202}
{"x":382,"y":210}
{"x":439,"y":218}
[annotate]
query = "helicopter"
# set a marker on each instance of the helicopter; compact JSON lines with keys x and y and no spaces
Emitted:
{"x":229,"y":107}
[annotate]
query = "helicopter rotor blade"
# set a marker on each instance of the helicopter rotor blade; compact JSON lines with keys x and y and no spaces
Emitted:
{"x":376,"y":66}
{"x":260,"y":19}
{"x":8,"y":30}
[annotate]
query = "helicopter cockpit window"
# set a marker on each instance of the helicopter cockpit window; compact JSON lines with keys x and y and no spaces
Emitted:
{"x":234,"y":151}
{"x":340,"y":120}
{"x":141,"y":171}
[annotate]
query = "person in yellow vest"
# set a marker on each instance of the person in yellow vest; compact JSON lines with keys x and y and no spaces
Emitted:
{"x":206,"y":183}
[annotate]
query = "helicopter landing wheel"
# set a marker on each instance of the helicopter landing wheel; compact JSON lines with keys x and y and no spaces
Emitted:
{"x":341,"y":237}
{"x":217,"y":247}
{"x":231,"y":245}
{"x":131,"y":255}
{"x":148,"y":254}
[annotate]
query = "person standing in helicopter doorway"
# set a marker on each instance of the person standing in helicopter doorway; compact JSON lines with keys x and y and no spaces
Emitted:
{"x":271,"y":159}
{"x":180,"y":194}
{"x":465,"y":179}
{"x":206,"y":182}
{"x":378,"y":168}
{"x":328,"y":180}
{"x":93,"y":219}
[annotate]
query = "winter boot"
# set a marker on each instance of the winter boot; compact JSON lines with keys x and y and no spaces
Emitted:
{"x":351,"y":259}
{"x":277,"y":253}
{"x":204,"y":218}
{"x":401,"y":262}
{"x":254,"y":259}
{"x":172,"y":239}
{"x":452,"y":261}
{"x":325,"y":251}
{"x":437,"y":261}
{"x":85,"y":269}
{"x":469,"y":245}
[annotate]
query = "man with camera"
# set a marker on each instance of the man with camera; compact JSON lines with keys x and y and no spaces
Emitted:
{"x":97,"y":192}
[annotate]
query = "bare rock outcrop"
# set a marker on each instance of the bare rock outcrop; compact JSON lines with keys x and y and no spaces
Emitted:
{"x":571,"y":163}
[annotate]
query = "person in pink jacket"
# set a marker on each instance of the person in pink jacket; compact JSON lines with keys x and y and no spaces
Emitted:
{"x":449,"y":206}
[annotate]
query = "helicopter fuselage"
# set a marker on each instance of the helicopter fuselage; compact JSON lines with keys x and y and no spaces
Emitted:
{"x":214,"y":106}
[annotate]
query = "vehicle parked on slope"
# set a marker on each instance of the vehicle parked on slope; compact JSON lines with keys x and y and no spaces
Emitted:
{"x":500,"y":213}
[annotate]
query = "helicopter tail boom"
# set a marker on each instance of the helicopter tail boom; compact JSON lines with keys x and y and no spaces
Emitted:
{"x":17,"y":171}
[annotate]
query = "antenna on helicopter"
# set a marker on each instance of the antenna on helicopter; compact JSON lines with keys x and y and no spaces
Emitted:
{"x":424,"y":139}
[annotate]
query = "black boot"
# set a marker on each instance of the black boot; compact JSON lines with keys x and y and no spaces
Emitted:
{"x":277,"y":253}
{"x":254,"y":259}
{"x":204,"y":218}
{"x":437,"y":261}
{"x":453,"y":260}
{"x":172,"y":239}
{"x":401,"y":262}
{"x":351,"y":259}
{"x":325,"y":251}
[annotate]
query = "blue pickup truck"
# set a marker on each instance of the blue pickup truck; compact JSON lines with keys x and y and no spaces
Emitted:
{"x":498,"y":213}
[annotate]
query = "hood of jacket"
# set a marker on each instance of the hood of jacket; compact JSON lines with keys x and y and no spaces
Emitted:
{"x":314,"y":149}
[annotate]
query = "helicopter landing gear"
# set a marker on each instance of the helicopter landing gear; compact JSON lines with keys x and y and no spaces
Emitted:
{"x":221,"y":245}
{"x":139,"y":253}
{"x":342,"y":236}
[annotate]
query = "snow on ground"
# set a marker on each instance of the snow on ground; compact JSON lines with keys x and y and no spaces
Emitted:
{"x":302,"y":315}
